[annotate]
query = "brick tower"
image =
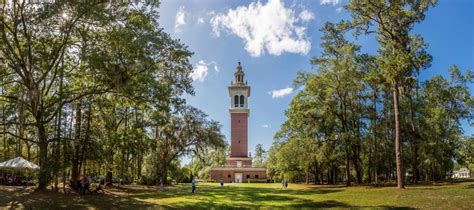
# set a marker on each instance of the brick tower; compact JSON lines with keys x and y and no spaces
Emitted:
{"x":239,"y":114}
{"x":239,"y":165}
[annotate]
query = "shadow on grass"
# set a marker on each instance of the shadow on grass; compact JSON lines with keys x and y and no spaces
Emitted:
{"x":15,"y":198}
{"x":207,"y":197}
{"x":231,"y":197}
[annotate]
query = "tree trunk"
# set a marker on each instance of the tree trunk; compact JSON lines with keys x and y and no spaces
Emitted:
{"x":43,"y":177}
{"x":28,"y":152}
{"x":66,"y":154}
{"x":347,"y":169}
{"x":5,"y":154}
{"x":369,"y":165}
{"x":316,"y":177}
{"x":76,"y":162}
{"x":356,"y":158}
{"x":108,"y":177}
{"x":164,"y":174}
{"x":139,"y":165}
{"x":398,"y":143}
{"x":20,"y":130}
{"x":414,"y":147}
{"x":57,"y":150}
{"x":86,"y":138}
{"x":345,"y":139}
{"x":307,"y":176}
{"x":329,"y":181}
{"x":374,"y":130}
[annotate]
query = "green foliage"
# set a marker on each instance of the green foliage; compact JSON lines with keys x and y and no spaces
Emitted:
{"x":341,"y":125}
{"x":95,"y":83}
{"x":259,"y":156}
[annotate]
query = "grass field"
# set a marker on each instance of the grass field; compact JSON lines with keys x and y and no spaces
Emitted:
{"x":209,"y":195}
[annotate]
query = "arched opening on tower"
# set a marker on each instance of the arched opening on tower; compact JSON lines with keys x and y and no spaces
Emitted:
{"x":242,"y":101}
{"x":236,"y":101}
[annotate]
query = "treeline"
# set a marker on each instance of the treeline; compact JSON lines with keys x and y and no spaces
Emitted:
{"x":93,"y":88}
{"x":363,"y":118}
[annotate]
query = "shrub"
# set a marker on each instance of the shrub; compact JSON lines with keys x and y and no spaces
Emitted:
{"x":145,"y":180}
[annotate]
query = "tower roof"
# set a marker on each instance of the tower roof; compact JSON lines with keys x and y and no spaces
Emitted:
{"x":239,"y":68}
{"x":239,"y":75}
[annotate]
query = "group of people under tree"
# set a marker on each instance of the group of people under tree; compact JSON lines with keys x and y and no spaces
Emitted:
{"x":15,"y":180}
{"x":85,"y":183}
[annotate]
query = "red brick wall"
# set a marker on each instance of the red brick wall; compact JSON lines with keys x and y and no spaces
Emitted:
{"x":218,"y":175}
{"x":239,"y":138}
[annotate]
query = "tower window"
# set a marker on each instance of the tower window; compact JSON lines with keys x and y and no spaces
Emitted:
{"x":242,"y":101}
{"x":236,"y":101}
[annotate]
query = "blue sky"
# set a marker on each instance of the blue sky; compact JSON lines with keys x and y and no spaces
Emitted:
{"x":276,"y":39}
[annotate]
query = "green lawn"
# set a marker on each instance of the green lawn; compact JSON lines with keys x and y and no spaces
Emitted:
{"x":209,"y":195}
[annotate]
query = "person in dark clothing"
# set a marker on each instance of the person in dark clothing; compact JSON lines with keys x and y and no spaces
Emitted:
{"x":222,"y":183}
{"x":101,"y":186}
{"x":79,"y":185}
{"x":86,"y":184}
{"x":286,"y":183}
{"x":193,"y":185}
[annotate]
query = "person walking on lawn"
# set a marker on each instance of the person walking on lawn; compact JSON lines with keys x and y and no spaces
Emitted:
{"x":193,"y":185}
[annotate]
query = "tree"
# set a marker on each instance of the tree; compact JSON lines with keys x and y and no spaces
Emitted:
{"x":466,"y":151}
{"x":34,"y":41}
{"x":67,"y":58}
{"x":447,"y":102}
{"x":259,"y":157}
{"x":394,"y":20}
{"x":342,"y":122}
{"x":186,"y":132}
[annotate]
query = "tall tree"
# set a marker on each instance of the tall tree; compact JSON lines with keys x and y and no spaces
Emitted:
{"x":63,"y":52}
{"x":394,"y":19}
{"x":186,"y":132}
{"x":259,"y":156}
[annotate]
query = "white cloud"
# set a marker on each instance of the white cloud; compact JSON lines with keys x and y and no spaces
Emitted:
{"x":269,"y":27}
{"x":327,"y":2}
{"x":339,"y":10}
{"x":180,"y":19}
{"x":200,"y":20}
{"x":265,"y":126}
{"x":201,"y":70}
{"x":281,"y":92}
{"x":216,"y":68}
{"x":306,"y":16}
{"x":300,"y":32}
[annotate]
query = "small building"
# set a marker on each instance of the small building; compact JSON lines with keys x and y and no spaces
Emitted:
{"x":462,"y":173}
{"x":238,"y":166}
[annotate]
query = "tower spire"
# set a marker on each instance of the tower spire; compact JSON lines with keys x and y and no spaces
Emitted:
{"x":239,"y":74}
